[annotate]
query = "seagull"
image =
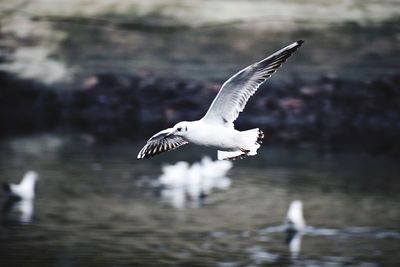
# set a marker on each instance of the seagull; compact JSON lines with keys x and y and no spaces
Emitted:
{"x":181,"y":183}
{"x":25,"y":189}
{"x":294,"y":220}
{"x":216,"y":128}
{"x":294,"y":226}
{"x":20,"y":197}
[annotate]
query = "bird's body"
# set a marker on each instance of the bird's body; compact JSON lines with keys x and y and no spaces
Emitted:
{"x":181,"y":183}
{"x":294,"y":218}
{"x":295,"y":226}
{"x":215,"y":136}
{"x":20,"y":197}
{"x":25,"y":189}
{"x":216,"y":128}
{"x":211,"y":135}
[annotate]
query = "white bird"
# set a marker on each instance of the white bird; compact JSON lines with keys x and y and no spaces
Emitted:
{"x":215,"y":169}
{"x":182,"y":183}
{"x":194,"y":187}
{"x":174,"y":175}
{"x":216,"y":128}
{"x":25,"y":190}
{"x":174,"y":196}
{"x":294,"y":226}
{"x":294,"y":218}
{"x":214,"y":175}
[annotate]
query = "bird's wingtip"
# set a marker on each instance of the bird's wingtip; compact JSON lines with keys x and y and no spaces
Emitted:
{"x":141,"y":155}
{"x":300,"y":42}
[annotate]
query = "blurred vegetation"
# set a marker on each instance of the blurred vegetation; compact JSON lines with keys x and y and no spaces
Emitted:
{"x":69,"y":40}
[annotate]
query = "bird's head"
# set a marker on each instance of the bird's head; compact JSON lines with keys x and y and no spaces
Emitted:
{"x":180,"y":128}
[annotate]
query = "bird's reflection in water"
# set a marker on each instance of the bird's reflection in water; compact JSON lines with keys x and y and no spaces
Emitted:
{"x":184,"y":185}
{"x":293,"y":240}
{"x":19,"y":210}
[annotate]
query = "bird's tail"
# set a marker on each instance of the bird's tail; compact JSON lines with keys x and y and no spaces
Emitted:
{"x":252,"y":140}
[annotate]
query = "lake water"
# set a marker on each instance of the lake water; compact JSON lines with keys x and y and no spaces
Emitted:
{"x":96,"y":206}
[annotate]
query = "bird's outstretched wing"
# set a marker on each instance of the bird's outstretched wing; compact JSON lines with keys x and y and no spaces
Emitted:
{"x":236,"y":91}
{"x":161,"y":142}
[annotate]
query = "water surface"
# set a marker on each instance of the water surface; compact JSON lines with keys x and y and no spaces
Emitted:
{"x":96,"y":206}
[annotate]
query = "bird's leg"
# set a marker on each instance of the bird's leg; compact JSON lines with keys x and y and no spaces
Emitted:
{"x":241,"y":156}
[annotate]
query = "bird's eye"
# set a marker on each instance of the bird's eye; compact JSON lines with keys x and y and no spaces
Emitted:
{"x":179,"y":129}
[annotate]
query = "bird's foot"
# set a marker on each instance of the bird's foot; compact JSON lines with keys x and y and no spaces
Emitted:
{"x":241,"y":156}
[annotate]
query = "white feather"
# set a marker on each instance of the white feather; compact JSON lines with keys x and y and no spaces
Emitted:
{"x":294,"y":218}
{"x":26,"y":188}
{"x":237,"y":90}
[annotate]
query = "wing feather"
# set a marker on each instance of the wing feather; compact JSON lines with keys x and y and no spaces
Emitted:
{"x":159,"y":143}
{"x":237,"y":90}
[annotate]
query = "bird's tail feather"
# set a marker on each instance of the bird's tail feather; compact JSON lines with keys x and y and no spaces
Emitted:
{"x":253,"y":140}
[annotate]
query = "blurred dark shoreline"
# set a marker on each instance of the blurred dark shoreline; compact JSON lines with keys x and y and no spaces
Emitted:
{"x":330,"y":113}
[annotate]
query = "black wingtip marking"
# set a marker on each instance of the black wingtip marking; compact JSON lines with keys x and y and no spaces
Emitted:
{"x":300,"y":42}
{"x":154,"y":149}
{"x":260,"y":137}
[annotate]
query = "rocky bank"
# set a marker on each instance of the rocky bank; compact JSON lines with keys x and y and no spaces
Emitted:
{"x":330,"y":112}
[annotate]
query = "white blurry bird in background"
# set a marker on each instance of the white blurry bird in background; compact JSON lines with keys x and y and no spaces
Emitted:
{"x":25,"y":189}
{"x":294,"y":226}
{"x":294,"y":220}
{"x":183,"y":184}
{"x":20,"y":197}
